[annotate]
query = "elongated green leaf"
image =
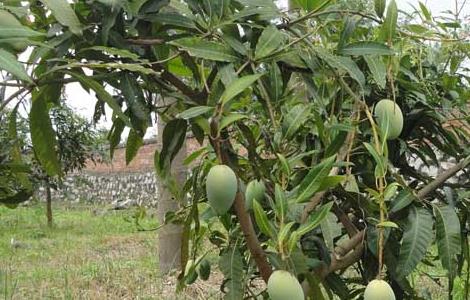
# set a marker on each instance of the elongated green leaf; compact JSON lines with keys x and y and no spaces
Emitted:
{"x":173,"y":137}
{"x":379,"y":6}
{"x":330,"y":229}
{"x":343,"y":63}
{"x":281,"y":202}
{"x":425,"y":11}
{"x":194,"y":112}
{"x":262,"y":220}
{"x":9,"y":63}
{"x":416,"y":240}
{"x":270,"y":40}
{"x":114,"y":51}
{"x":314,"y":179}
{"x":377,"y":69}
{"x":390,"y":23}
{"x":366,"y":48}
{"x":15,"y":151}
{"x":64,"y":14}
{"x":314,"y":220}
{"x":18,"y":32}
{"x":294,"y":119}
{"x":43,"y":136}
{"x":448,"y":237}
{"x":102,"y":94}
{"x":231,"y":118}
{"x":114,"y":135}
{"x":237,"y":86}
{"x":404,"y":198}
{"x":231,"y":265}
{"x":134,"y":142}
{"x":204,"y":49}
{"x":173,"y":19}
{"x":284,"y":234}
{"x":379,"y":160}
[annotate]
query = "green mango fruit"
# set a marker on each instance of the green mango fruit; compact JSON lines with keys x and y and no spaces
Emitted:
{"x":388,"y":111}
{"x":282,"y":285}
{"x":378,"y":290}
{"x":254,"y":190}
{"x":221,"y":188}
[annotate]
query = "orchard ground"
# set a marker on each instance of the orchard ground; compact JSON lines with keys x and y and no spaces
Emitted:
{"x":93,"y":252}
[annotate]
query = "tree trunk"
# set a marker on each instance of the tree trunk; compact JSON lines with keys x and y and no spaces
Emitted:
{"x":48,"y":204}
{"x":169,"y":236}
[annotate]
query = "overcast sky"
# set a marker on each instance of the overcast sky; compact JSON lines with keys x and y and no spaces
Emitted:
{"x":84,"y":103}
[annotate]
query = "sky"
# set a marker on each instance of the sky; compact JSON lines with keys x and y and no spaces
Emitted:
{"x":83,"y":103}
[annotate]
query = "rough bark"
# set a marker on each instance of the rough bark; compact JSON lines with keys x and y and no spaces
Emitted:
{"x":48,"y":204}
{"x":170,"y":235}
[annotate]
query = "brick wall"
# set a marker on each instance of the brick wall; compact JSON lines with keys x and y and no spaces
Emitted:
{"x":115,"y":182}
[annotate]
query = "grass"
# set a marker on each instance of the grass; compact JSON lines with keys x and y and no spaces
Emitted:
{"x":89,"y":253}
{"x":96,"y":253}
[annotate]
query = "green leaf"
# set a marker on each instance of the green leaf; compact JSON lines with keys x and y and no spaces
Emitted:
{"x":64,"y":14}
{"x":173,"y":138}
{"x":314,"y":179}
{"x":269,"y":41}
{"x":314,"y":220}
{"x":390,"y":23}
{"x":379,"y":6}
{"x":294,"y":119}
{"x":379,"y":160}
{"x":102,"y":94}
{"x":448,"y":237}
{"x":343,"y":63}
{"x":204,"y":49}
{"x":366,"y":48}
{"x":230,"y":118}
{"x":43,"y":136}
{"x":114,"y":51}
{"x":134,"y":142}
{"x":330,"y":229}
{"x":9,"y":63}
{"x":331,"y":181}
{"x":173,"y":19}
{"x":194,"y":112}
{"x":114,"y":135}
{"x":425,"y":11}
{"x":237,"y":86}
{"x":281,"y":202}
{"x":387,"y":224}
{"x":404,"y":198}
{"x":231,"y":265}
{"x":262,"y":220}
{"x":18,"y":32}
{"x":416,"y":240}
{"x":377,"y":69}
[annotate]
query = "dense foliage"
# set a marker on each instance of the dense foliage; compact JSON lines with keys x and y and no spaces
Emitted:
{"x":285,"y":98}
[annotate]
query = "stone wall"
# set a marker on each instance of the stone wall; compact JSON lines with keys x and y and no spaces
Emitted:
{"x":116,"y":183}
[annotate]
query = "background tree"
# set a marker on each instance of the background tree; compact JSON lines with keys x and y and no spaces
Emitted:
{"x":287,"y":99}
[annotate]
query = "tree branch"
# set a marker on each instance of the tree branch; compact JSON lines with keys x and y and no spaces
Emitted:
{"x":433,"y":185}
{"x":341,"y":258}
{"x":244,"y":218}
{"x":145,"y":42}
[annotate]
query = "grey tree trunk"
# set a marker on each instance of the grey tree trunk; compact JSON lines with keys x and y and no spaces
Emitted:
{"x":169,"y":236}
{"x":48,"y":204}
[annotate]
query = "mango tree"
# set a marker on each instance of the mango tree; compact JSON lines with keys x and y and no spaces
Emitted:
{"x":285,"y":99}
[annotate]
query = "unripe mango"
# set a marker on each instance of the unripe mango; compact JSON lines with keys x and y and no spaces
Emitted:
{"x":254,"y":190}
{"x":378,"y":289}
{"x":8,"y":19}
{"x":282,"y":285}
{"x":221,"y":188}
{"x":388,"y":110}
